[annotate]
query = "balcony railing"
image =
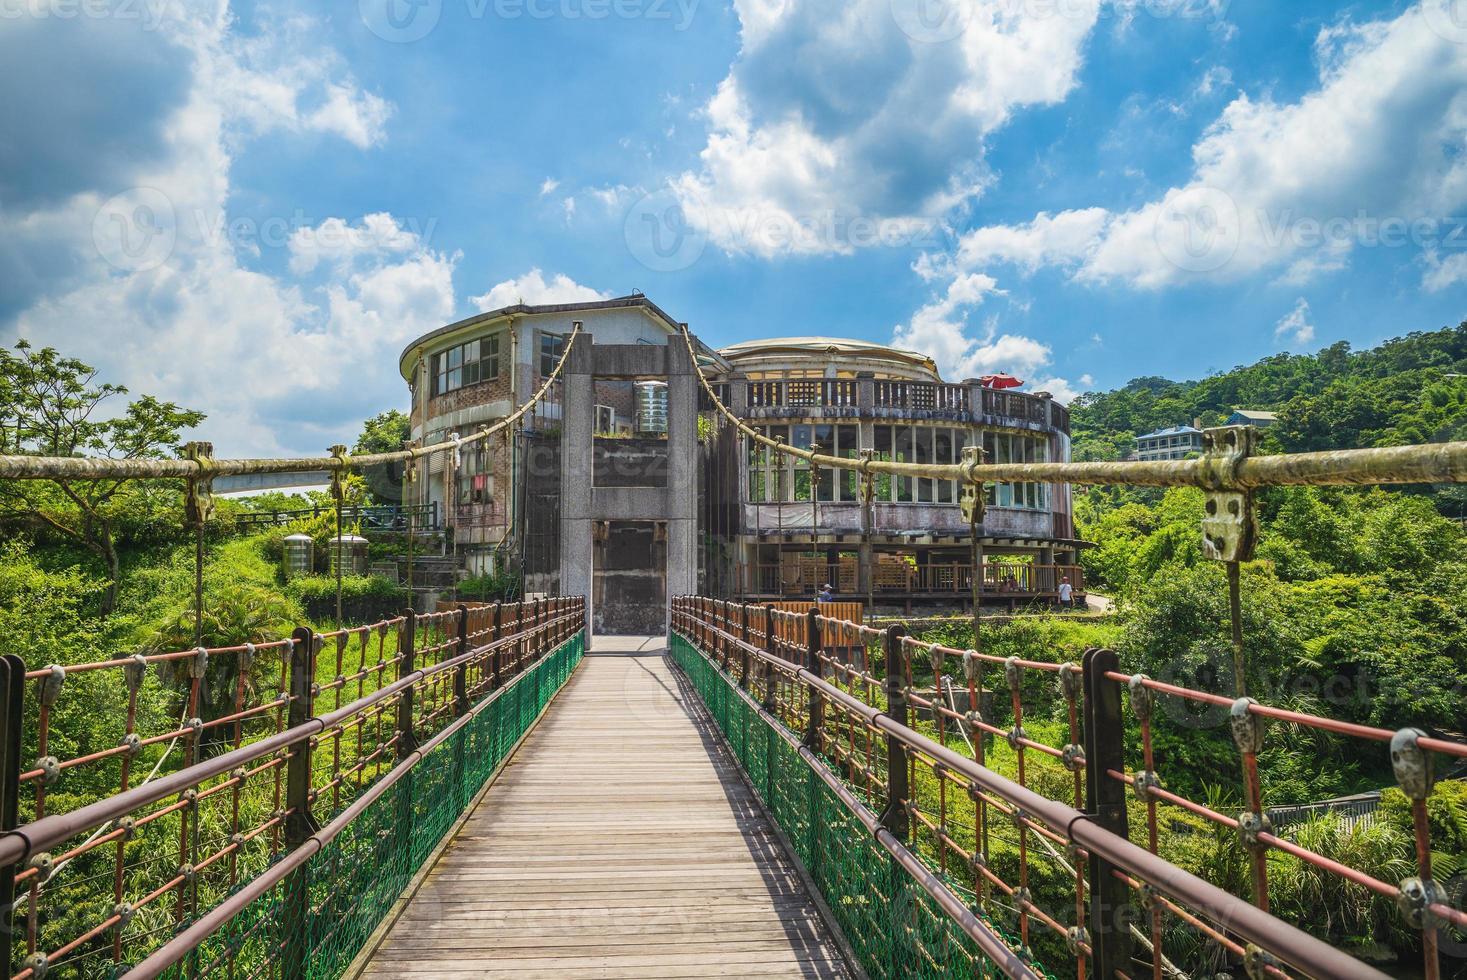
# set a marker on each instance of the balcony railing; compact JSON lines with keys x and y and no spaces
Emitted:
{"x":1017,"y":405}
{"x":803,"y":392}
{"x":921,"y":396}
{"x":955,"y":579}
{"x":904,"y":396}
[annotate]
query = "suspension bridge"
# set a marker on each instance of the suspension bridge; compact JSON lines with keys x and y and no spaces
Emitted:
{"x":487,"y":790}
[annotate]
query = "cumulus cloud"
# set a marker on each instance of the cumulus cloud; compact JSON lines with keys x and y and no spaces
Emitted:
{"x":339,"y":241}
{"x":1295,"y":187}
{"x":534,"y":288}
{"x":145,"y":276}
{"x":1295,"y":327}
{"x":940,"y":330}
{"x":853,"y":111}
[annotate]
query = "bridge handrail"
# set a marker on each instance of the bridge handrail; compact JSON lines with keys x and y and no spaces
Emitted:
{"x":186,"y":941}
{"x":97,"y":468}
{"x":1067,"y":823}
{"x":479,"y":659}
{"x":19,"y":844}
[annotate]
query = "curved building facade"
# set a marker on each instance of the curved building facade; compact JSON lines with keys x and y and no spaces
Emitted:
{"x":615,"y":471}
{"x":797,"y":529}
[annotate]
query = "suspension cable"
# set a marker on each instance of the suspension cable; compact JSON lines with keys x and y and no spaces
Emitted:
{"x":1430,"y":463}
{"x":94,"y":468}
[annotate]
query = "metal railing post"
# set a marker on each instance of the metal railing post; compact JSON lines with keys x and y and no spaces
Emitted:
{"x":461,"y":672}
{"x":407,"y":654}
{"x":894,"y":818}
{"x":1105,"y":804}
{"x":495,"y":681}
{"x":12,"y":714}
{"x":299,"y":824}
{"x":744,"y":649}
{"x":771,"y":647}
{"x":816,"y":719}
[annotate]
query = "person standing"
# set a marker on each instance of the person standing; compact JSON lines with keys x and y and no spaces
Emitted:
{"x":1066,"y":593}
{"x":827,"y":593}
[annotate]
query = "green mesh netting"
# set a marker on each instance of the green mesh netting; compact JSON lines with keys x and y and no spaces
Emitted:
{"x":316,"y":922}
{"x":893,"y":926}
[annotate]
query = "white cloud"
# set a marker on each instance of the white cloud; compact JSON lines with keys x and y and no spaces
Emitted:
{"x":842,"y":111}
{"x":534,"y":288}
{"x":1061,"y":389}
{"x":1444,"y":272}
{"x":337,"y":240}
{"x":283,"y":79}
{"x":939,"y":330}
{"x":614,"y":198}
{"x":548,"y":186}
{"x":263,"y":355}
{"x":1295,"y":327}
{"x":1292,"y":186}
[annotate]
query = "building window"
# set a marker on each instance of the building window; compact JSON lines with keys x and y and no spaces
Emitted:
{"x":551,"y":346}
{"x":1004,"y":447}
{"x":467,"y":364}
{"x":475,"y":476}
{"x":774,"y":477}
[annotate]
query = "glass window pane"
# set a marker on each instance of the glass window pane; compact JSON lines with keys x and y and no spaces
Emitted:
{"x":905,"y":450}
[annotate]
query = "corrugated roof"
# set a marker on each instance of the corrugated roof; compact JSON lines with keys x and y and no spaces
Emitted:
{"x":1175,"y":430}
{"x":829,"y":345}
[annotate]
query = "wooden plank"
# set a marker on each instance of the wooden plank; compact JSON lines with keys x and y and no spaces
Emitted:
{"x":617,"y":843}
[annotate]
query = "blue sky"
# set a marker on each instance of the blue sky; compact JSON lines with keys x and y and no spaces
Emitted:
{"x":250,"y":208}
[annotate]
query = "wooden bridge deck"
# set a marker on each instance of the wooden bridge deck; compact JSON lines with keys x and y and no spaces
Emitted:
{"x":619,"y":842}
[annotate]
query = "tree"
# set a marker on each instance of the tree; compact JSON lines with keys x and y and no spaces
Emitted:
{"x":383,"y":433}
{"x":50,"y":406}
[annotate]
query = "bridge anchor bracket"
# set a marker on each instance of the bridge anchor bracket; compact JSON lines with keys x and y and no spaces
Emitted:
{"x":199,"y":494}
{"x":1230,"y":524}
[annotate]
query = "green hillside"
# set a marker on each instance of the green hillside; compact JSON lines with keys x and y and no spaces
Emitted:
{"x":1400,"y":392}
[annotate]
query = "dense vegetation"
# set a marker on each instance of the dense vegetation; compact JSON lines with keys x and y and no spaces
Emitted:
{"x":1355,"y":608}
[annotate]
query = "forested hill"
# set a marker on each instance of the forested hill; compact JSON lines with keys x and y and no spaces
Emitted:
{"x":1399,"y":392}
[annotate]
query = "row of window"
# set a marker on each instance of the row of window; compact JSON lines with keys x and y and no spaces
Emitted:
{"x":466,"y":364}
{"x":775,"y":477}
{"x":478,"y":360}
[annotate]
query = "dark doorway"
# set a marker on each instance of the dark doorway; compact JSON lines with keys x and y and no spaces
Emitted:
{"x":629,"y":587}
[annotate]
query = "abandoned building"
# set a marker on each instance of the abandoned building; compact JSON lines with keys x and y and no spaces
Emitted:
{"x":624,"y":484}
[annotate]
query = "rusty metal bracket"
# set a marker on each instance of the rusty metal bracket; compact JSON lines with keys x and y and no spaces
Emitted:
{"x":1416,"y":899}
{"x":338,"y":474}
{"x":867,"y":489}
{"x":1259,"y":962}
{"x":970,"y":499}
{"x":199,"y":495}
{"x":1250,"y":825}
{"x":1144,"y":782}
{"x":1230,"y":525}
{"x":1411,"y":763}
{"x":1141,"y":700}
{"x":1246,"y":726}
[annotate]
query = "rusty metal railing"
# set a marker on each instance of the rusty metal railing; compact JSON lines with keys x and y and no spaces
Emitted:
{"x":99,"y":880}
{"x":947,"y":809}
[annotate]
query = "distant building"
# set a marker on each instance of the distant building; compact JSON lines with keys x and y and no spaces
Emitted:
{"x":1173,"y":443}
{"x":1247,"y":416}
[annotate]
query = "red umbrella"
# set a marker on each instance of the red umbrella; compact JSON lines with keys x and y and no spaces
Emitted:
{"x":999,"y":381}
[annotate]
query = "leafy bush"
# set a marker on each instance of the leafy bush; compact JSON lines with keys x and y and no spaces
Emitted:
{"x":500,"y":586}
{"x":363,"y":597}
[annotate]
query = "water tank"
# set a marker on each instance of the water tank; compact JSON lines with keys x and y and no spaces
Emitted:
{"x":651,"y":407}
{"x":351,"y":551}
{"x":299,"y":555}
